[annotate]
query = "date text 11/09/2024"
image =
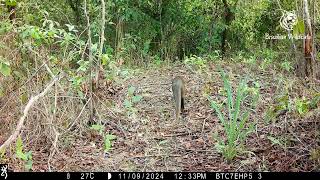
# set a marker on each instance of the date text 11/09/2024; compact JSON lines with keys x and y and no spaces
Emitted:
{"x":189,"y":175}
{"x":160,"y":176}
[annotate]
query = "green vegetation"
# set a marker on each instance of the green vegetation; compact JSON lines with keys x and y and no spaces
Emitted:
{"x":236,"y":124}
{"x":107,"y":138}
{"x":26,"y":157}
{"x":131,"y":100}
{"x":66,"y":65}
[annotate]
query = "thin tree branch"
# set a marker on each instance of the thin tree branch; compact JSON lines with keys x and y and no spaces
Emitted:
{"x":103,"y":22}
{"x":90,"y":58}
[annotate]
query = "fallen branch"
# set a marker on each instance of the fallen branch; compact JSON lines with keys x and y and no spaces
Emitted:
{"x":25,"y":113}
{"x":156,"y":155}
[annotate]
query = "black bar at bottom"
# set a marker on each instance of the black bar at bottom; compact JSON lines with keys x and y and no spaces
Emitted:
{"x":159,"y":175}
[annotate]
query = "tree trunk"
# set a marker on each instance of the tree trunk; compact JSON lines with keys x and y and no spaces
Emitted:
{"x":308,"y":67}
{"x":103,"y":23}
{"x":229,"y":17}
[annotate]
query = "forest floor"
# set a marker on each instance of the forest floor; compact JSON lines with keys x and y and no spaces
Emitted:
{"x":150,"y":139}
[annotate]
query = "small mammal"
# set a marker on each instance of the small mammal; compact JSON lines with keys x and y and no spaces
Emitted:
{"x":178,"y":90}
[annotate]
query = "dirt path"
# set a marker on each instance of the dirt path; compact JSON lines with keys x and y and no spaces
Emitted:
{"x":157,"y":142}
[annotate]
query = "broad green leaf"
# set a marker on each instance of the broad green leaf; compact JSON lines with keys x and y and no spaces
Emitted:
{"x":11,"y":2}
{"x":315,"y":101}
{"x":110,"y":136}
{"x":228,"y":88}
{"x":136,"y":99}
{"x":97,"y":127}
{"x":19,"y":147}
{"x":70,"y":27}
{"x":21,"y":155}
{"x":19,"y":144}
{"x":295,"y":30}
{"x":131,"y":90}
{"x":5,"y":68}
{"x":28,"y":165}
{"x":274,"y":141}
{"x":214,"y":105}
{"x":107,"y":145}
{"x":299,"y":28}
{"x":108,"y":141}
{"x":35,"y":34}
{"x":2,"y":153}
{"x":29,"y":154}
{"x":163,"y":142}
{"x":105,"y":59}
{"x":127,"y":103}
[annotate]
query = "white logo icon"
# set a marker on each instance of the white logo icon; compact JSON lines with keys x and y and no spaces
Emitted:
{"x":288,"y":20}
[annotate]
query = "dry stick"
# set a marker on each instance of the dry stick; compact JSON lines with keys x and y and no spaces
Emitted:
{"x":55,"y":149}
{"x":25,"y":113}
{"x":203,"y":124}
{"x":156,"y":155}
{"x":75,"y":120}
{"x":174,"y":135}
